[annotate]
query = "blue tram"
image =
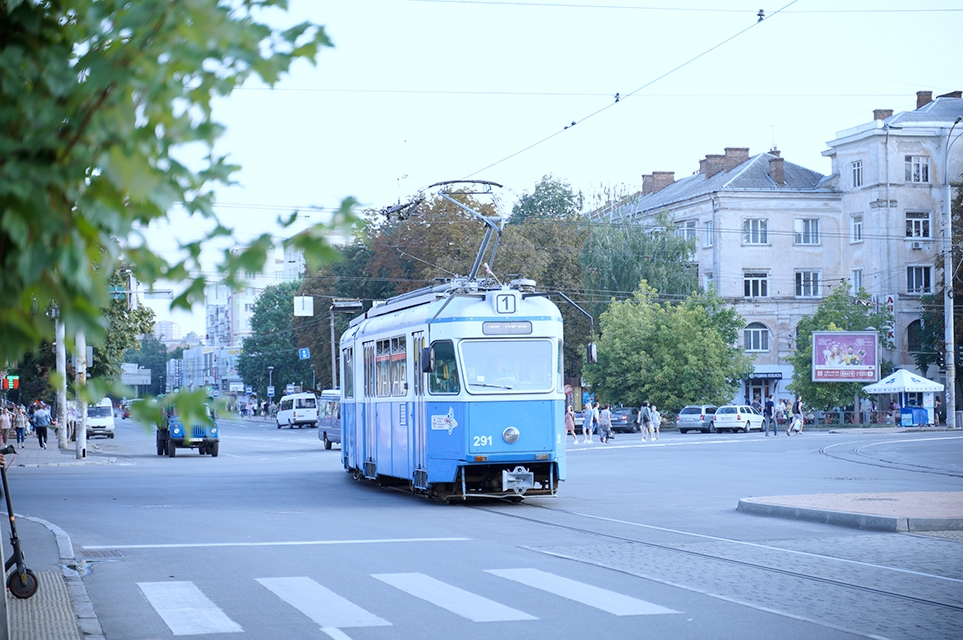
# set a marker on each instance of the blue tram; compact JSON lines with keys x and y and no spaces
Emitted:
{"x":456,"y":391}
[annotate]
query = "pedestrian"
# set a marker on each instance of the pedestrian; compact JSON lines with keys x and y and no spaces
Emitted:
{"x":894,"y":410}
{"x":41,"y":420}
{"x":605,"y":424}
{"x":587,"y":420}
{"x":656,"y":421}
{"x":936,"y":411}
{"x":645,"y":414}
{"x":20,"y":423}
{"x":797,"y":417}
{"x":570,"y":424}
{"x":5,"y":425}
{"x":769,"y":415}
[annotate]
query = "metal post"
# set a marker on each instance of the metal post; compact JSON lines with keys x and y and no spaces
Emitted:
{"x":81,"y":403}
{"x":948,"y":330}
{"x":63,"y":423}
{"x":334,"y":367}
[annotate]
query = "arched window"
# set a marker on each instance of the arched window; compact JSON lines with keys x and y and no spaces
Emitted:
{"x":756,"y":337}
{"x":914,"y":334}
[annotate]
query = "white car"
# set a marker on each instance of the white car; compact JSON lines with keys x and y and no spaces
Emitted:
{"x":736,"y":417}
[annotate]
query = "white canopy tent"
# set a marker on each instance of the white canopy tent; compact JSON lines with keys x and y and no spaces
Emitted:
{"x":902,"y":382}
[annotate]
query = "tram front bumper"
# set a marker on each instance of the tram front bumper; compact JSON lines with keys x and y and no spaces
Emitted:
{"x":518,"y":480}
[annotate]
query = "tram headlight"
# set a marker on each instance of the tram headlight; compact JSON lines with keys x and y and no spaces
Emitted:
{"x":510,"y":435}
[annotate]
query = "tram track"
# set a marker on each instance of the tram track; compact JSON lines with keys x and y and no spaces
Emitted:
{"x":860,"y":455}
{"x":734,"y":561}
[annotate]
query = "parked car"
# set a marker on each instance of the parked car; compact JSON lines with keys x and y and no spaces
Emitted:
{"x":695,"y":417}
{"x":624,"y":419}
{"x":736,"y":417}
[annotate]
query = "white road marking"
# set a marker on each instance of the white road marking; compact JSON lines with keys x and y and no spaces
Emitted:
{"x":185,"y":610}
{"x":610,"y":601}
{"x":294,"y":543}
{"x":463,"y":603}
{"x":322,"y":605}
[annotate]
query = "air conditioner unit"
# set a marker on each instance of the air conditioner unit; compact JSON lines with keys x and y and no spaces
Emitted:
{"x":917,"y":245}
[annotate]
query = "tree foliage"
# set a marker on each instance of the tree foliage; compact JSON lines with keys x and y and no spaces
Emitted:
{"x":552,"y":199}
{"x":125,"y":325}
{"x":839,"y":311}
{"x":670,"y":354}
{"x":99,"y":97}
{"x":151,"y":354}
{"x":273,"y":343}
{"x":616,"y":257}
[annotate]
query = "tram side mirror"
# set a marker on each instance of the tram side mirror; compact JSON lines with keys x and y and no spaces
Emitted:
{"x":591,"y":353}
{"x":427,"y":360}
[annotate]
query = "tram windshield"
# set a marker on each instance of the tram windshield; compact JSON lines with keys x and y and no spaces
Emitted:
{"x":499,"y":366}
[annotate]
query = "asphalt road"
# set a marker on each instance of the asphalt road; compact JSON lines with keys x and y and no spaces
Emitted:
{"x":272,"y":539}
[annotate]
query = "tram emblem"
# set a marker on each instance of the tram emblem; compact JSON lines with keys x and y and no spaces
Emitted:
{"x":444,"y":423}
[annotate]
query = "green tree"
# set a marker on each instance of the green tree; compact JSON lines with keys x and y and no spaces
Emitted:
{"x":151,"y":354}
{"x":273,"y":343}
{"x":670,"y":354}
{"x":839,"y":311}
{"x":99,"y":98}
{"x":552,"y":199}
{"x":616,"y":257}
{"x":124,"y":327}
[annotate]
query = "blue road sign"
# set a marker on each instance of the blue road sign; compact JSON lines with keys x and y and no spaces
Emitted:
{"x":304,"y":354}
{"x":271,"y":391}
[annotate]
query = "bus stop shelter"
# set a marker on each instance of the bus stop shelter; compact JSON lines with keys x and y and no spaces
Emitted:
{"x":901,"y":383}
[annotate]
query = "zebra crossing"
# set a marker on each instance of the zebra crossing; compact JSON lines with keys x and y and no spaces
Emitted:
{"x":186,"y":610}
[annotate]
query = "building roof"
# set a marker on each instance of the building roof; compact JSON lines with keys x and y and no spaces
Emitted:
{"x":751,"y":175}
{"x":941,"y":110}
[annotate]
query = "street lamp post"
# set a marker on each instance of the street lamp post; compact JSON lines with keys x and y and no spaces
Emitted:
{"x":314,"y":378}
{"x":270,"y":376}
{"x":948,"y":337}
{"x":339,"y":305}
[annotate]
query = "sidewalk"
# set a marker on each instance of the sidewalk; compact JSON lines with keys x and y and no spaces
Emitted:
{"x":61,"y":609}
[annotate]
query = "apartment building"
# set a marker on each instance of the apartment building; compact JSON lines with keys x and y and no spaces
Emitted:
{"x":773,"y":237}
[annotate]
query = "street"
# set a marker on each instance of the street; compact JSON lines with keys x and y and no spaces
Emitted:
{"x":272,"y":539}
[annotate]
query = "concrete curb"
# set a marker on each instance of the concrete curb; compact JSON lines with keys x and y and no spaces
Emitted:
{"x":892,"y":524}
{"x":79,"y":601}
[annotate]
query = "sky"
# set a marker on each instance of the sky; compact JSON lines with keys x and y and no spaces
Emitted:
{"x":416,"y":92}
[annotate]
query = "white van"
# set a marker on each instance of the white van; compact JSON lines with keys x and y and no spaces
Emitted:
{"x":298,"y":409}
{"x":100,"y":419}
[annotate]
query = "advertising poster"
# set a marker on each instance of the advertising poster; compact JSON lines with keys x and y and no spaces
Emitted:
{"x":845,"y":356}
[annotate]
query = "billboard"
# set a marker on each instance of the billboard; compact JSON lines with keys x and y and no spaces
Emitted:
{"x":845,"y":356}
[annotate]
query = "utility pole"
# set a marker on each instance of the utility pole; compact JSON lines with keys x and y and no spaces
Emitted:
{"x":81,"y":403}
{"x":63,"y":424}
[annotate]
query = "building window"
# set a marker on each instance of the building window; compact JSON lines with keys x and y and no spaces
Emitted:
{"x":857,"y":173}
{"x":755,"y":231}
{"x":917,"y":224}
{"x":686,"y":230}
{"x":856,"y":280}
{"x":914,"y":336}
{"x":708,"y":283}
{"x":707,"y":233}
{"x":917,"y":169}
{"x":807,"y":284}
{"x":918,"y":279}
{"x":856,"y":228}
{"x":756,"y":337}
{"x":807,"y":230}
{"x":756,"y":285}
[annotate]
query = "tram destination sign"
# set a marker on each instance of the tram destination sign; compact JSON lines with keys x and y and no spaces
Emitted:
{"x":518,"y":328}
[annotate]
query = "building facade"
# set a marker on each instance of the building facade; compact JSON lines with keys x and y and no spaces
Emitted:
{"x":773,"y":238}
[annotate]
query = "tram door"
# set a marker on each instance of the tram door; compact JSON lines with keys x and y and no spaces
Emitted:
{"x":418,"y":427}
{"x":369,"y":432}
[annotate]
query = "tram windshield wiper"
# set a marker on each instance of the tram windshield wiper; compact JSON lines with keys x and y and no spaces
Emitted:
{"x":493,"y":386}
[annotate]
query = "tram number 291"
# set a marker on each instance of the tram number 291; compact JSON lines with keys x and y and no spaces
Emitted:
{"x":482,"y":441}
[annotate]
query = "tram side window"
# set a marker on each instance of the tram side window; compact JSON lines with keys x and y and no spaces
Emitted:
{"x":348,"y":381}
{"x":399,"y":367}
{"x":560,"y":372}
{"x":382,"y":368}
{"x":444,"y":376}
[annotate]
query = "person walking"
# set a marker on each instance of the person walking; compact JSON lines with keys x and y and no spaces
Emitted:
{"x":645,"y":414}
{"x":5,"y":425}
{"x":656,"y":421}
{"x":570,"y":424}
{"x":936,"y":411}
{"x":41,"y":420}
{"x":20,"y":423}
{"x":588,"y":417}
{"x":769,"y":415}
{"x":605,"y":423}
{"x":797,"y":417}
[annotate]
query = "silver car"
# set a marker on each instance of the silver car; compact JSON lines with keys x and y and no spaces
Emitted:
{"x":695,"y":417}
